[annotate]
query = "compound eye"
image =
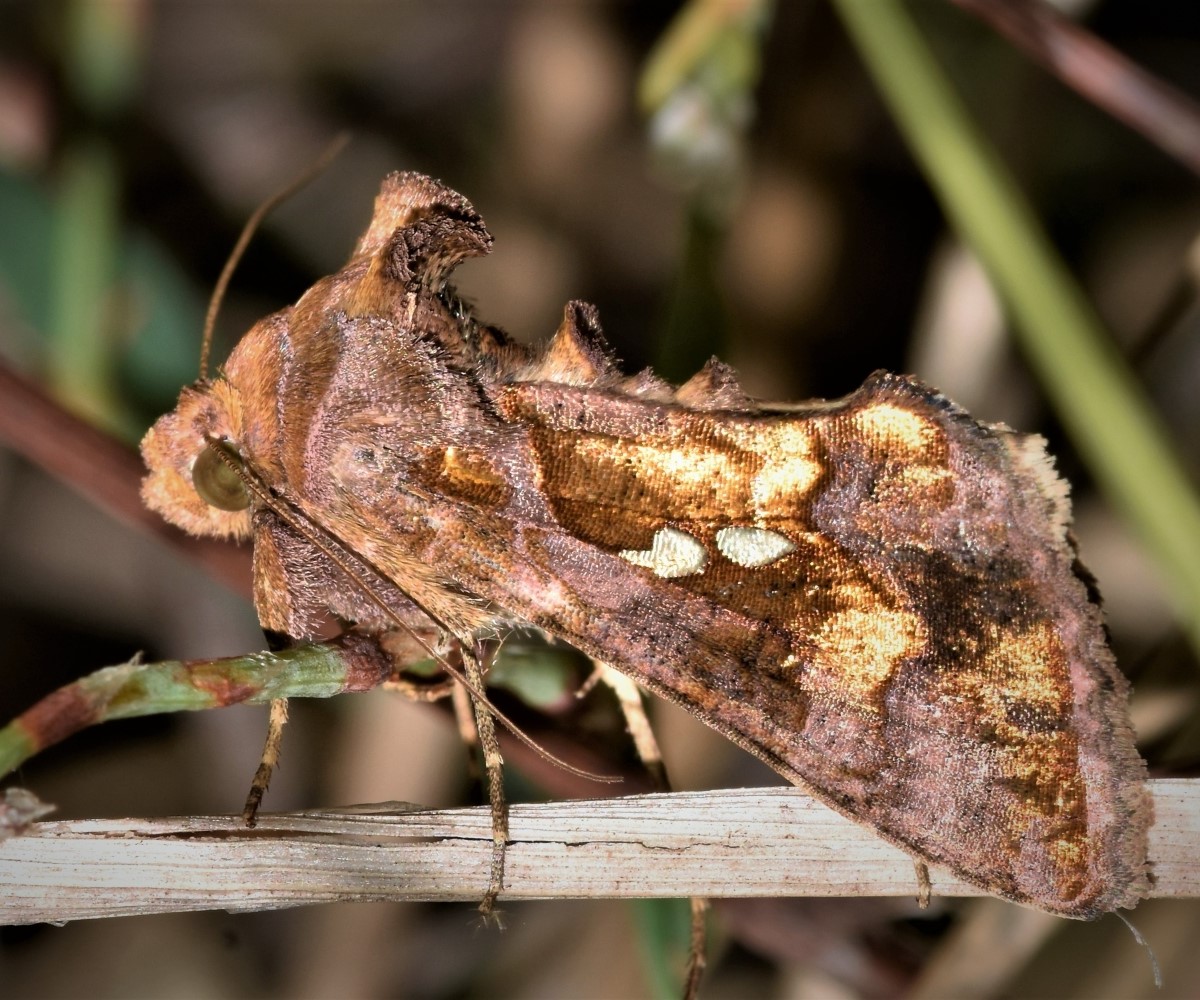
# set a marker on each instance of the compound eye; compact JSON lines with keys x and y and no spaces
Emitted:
{"x":217,"y":483}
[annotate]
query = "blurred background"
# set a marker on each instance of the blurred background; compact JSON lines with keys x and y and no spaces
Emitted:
{"x":730,"y":183}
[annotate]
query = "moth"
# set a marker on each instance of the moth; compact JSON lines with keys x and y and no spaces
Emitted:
{"x":878,"y":596}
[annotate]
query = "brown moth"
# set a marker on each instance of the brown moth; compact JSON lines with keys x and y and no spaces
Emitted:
{"x":878,"y":596}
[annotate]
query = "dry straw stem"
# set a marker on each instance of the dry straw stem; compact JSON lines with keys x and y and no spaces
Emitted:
{"x":745,"y":842}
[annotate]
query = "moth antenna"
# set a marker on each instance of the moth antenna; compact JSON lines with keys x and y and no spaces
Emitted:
{"x":302,"y":527}
{"x":1137,"y":936}
{"x":248,"y":230}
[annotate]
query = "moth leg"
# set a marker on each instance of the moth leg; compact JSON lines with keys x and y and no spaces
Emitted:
{"x":594,"y":678}
{"x":697,"y":946}
{"x":268,"y":762}
{"x":485,"y":727}
{"x":924,"y":885}
{"x":421,"y":692}
{"x":629,"y":697}
{"x":409,"y":645}
{"x":464,"y":718}
{"x":465,"y":715}
{"x":638,"y":724}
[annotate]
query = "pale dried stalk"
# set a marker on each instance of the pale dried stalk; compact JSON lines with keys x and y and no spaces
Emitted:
{"x":745,"y":842}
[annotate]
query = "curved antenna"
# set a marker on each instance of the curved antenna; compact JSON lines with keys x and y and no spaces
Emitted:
{"x":239,"y":248}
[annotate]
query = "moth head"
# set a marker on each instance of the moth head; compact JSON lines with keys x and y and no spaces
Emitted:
{"x":193,"y":462}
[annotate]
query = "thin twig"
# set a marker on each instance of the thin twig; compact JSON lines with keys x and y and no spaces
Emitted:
{"x":746,"y":842}
{"x":1166,"y":116}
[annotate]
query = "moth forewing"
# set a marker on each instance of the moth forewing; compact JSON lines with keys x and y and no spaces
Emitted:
{"x":875,"y":595}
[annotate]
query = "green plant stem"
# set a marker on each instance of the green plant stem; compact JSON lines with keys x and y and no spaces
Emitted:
{"x":133,"y":689}
{"x":1096,"y":396}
